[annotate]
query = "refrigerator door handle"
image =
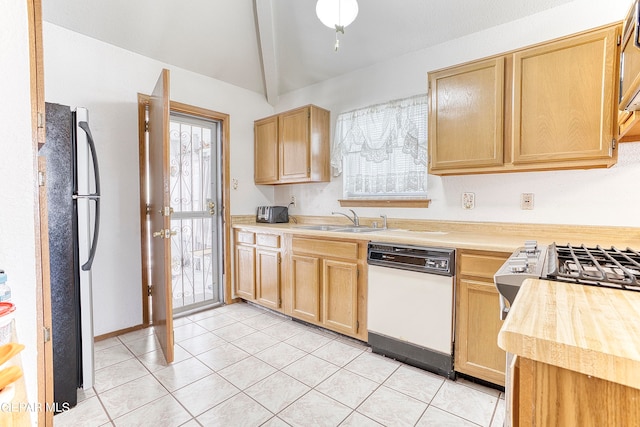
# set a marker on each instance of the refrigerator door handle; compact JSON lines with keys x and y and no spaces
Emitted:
{"x":95,"y":196}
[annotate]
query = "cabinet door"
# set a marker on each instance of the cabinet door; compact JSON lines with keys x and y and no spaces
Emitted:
{"x":293,"y":139}
{"x":477,"y":326}
{"x":466,"y":116}
{"x":340,"y":296}
{"x":245,"y":264}
{"x":268,"y":278}
{"x":564,"y":101}
{"x":305,"y":288}
{"x":266,"y":150}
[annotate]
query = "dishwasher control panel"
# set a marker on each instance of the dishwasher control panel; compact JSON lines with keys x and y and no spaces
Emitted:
{"x":415,"y":258}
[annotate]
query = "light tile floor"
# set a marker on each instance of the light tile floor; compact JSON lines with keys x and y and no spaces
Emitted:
{"x":240,"y":365}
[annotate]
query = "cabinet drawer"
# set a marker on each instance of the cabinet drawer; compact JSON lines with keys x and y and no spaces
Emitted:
{"x":326,"y":248}
{"x":481,"y":264}
{"x":268,"y":240}
{"x":245,"y":237}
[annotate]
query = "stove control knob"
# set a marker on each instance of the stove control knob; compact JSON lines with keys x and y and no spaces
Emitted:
{"x":531,"y":246}
{"x":518,"y":264}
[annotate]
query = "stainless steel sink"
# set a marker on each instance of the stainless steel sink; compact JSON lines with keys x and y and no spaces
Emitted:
{"x":357,"y":229}
{"x":340,"y":228}
{"x":320,"y":227}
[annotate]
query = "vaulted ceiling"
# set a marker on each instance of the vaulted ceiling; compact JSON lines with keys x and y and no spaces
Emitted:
{"x":277,"y":46}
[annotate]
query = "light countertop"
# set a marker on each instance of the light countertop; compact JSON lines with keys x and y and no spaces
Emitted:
{"x":483,"y":239}
{"x":591,"y":330}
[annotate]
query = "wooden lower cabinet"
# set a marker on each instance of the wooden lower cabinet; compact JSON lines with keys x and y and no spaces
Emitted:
{"x":548,"y":395}
{"x":340,"y":296}
{"x":328,"y":284}
{"x":245,"y":272}
{"x":477,"y":317}
{"x":258,"y":268}
{"x":268,"y":278}
{"x":305,"y":288}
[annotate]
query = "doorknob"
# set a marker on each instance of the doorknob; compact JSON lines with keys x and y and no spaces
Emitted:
{"x":212,"y":208}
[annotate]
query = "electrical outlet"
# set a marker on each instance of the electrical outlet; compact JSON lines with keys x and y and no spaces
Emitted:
{"x":293,"y":201}
{"x":526,"y":201}
{"x":468,"y":200}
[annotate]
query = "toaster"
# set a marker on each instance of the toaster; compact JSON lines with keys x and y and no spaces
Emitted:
{"x":272,"y":214}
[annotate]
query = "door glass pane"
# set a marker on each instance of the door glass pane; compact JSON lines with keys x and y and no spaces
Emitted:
{"x":194,"y":196}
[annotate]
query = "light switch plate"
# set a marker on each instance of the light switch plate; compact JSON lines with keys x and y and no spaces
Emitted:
{"x":468,"y":200}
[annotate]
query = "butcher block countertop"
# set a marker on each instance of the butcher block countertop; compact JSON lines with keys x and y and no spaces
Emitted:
{"x":587,"y":329}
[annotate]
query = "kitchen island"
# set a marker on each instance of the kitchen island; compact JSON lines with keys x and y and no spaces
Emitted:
{"x":577,"y":353}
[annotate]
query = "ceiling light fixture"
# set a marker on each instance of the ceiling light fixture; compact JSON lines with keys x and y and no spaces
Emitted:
{"x":337,"y":14}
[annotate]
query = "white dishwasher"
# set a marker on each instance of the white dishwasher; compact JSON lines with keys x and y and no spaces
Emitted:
{"x":410,"y":304}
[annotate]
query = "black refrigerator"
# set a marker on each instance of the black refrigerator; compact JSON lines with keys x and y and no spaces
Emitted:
{"x":73,"y":204}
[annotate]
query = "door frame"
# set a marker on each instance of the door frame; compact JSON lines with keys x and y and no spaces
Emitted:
{"x":44,"y":350}
{"x":178,"y":107}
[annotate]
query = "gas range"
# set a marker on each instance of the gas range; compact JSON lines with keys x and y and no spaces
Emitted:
{"x":594,"y":266}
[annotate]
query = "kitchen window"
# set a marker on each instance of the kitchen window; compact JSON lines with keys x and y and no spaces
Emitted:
{"x":381,"y":152}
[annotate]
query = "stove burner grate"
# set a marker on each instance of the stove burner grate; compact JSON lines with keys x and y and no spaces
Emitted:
{"x":611,"y":268}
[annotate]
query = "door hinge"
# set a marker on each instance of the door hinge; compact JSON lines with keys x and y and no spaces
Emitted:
{"x":146,"y":126}
{"x":358,"y":273}
{"x":40,"y":120}
{"x":47,"y":334}
{"x":148,"y":208}
{"x":41,"y":178}
{"x":613,"y":144}
{"x":309,"y":114}
{"x":149,"y":290}
{"x":619,"y":41}
{"x":357,"y":325}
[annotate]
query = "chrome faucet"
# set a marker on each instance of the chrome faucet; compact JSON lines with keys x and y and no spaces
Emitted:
{"x":384,"y":221}
{"x":355,"y":220}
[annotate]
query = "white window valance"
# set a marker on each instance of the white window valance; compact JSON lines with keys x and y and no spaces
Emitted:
{"x":382,"y":149}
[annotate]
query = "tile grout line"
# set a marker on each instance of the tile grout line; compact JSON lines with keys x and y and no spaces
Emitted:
{"x":303,"y":329}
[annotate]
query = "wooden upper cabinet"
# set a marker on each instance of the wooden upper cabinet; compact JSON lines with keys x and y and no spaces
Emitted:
{"x":564,"y":101}
{"x":266,"y":150}
{"x":551,"y":106}
{"x":466,"y":116}
{"x":293,"y":147}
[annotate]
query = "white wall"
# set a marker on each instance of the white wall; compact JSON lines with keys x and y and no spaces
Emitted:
{"x":17,"y":232}
{"x":80,"y":71}
{"x":598,"y":197}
